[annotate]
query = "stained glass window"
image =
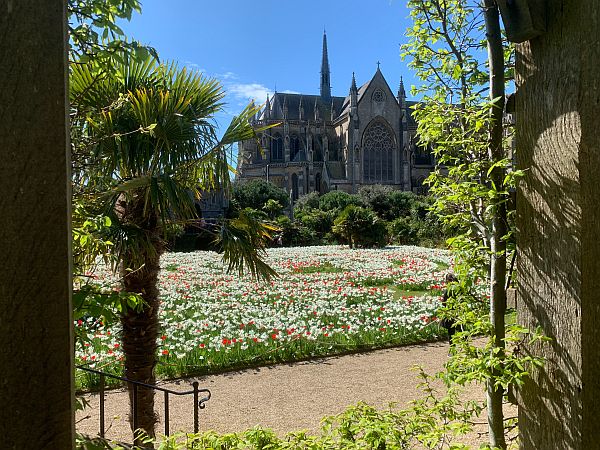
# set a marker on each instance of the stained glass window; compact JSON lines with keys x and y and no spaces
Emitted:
{"x":378,"y":149}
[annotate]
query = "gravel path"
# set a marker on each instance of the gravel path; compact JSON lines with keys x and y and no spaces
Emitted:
{"x":286,"y":397}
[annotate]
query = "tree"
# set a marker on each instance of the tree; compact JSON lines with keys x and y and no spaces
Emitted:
{"x":337,"y":201}
{"x":557,"y":220}
{"x":255,"y":194}
{"x":148,"y":147}
{"x":447,"y":46}
{"x":360,"y":227}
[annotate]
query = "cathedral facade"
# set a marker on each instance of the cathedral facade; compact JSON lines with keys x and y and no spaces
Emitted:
{"x":322,"y":143}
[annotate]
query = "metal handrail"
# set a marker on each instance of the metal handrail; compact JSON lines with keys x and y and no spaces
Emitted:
{"x":199,"y":403}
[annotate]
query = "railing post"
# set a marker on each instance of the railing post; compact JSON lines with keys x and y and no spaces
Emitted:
{"x":166,"y":413}
{"x":102,"y":405}
{"x":196,"y":427}
{"x":135,"y":407}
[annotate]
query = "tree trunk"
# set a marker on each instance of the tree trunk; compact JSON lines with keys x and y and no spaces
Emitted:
{"x":140,"y":328}
{"x":558,"y":269}
{"x":497,"y":242}
{"x":140,"y":334}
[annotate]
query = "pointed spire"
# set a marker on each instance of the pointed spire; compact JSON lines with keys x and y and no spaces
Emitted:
{"x":353,"y":85}
{"x":325,"y":73}
{"x":401,"y":94}
{"x":301,"y":109}
{"x":353,"y":92}
{"x":267,"y":114}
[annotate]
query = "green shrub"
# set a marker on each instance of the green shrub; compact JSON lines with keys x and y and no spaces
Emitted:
{"x":378,"y":198}
{"x":317,"y":220}
{"x":294,"y":234}
{"x":255,"y":194}
{"x":337,"y":201}
{"x":404,"y":231}
{"x":306,"y":202}
{"x":401,"y":204}
{"x":360,"y":227}
{"x":273,"y":208}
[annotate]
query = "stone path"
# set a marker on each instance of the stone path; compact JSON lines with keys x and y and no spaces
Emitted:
{"x":287,"y":397}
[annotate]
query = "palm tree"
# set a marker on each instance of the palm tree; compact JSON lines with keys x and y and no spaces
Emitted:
{"x":149,"y":148}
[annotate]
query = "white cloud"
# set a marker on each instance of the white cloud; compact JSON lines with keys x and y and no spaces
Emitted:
{"x":194,"y":66}
{"x":249,"y":91}
{"x":227,"y":76}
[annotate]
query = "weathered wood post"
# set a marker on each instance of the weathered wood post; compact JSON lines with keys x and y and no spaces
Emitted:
{"x":558,"y":141}
{"x":36,"y":348}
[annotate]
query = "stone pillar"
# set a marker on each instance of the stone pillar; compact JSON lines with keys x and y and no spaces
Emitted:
{"x":36,"y":355}
{"x":558,"y":217}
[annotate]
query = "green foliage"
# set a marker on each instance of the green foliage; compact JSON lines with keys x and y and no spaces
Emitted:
{"x":95,"y":35}
{"x":306,"y":202}
{"x":256,"y":193}
{"x":377,"y":197}
{"x":337,"y":201}
{"x":295,"y":234}
{"x":455,"y":45}
{"x":243,"y":241}
{"x":320,"y":222}
{"x":404,"y":230}
{"x":273,"y":208}
{"x":360,"y":227}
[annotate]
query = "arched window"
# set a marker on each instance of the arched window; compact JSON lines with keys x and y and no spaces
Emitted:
{"x":318,"y":149}
{"x":294,"y":147}
{"x":318,"y":187}
{"x":423,"y":156}
{"x":294,"y":187}
{"x":277,"y":148}
{"x":378,"y":152}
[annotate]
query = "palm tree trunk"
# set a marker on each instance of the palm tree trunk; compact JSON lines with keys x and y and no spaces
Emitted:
{"x":140,"y":334}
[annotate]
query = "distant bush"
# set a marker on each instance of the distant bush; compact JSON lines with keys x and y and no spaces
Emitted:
{"x":360,"y":227}
{"x":403,"y":231}
{"x":378,"y":198}
{"x":337,"y":201}
{"x":256,"y":193}
{"x":294,"y":234}
{"x":317,"y":220}
{"x":306,"y":202}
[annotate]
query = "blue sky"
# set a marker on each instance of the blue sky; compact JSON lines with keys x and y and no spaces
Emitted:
{"x":253,"y":47}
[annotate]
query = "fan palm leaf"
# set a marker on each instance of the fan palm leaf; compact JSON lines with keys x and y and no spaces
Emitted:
{"x":150,"y":149}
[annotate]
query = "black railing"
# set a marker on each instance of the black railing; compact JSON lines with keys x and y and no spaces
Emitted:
{"x":199,"y":403}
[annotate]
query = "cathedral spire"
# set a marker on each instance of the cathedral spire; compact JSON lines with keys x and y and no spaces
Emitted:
{"x":325,"y":74}
{"x":267,"y":114}
{"x":401,"y":93}
{"x":353,"y":92}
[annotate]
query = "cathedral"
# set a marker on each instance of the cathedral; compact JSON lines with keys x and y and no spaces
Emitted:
{"x":322,"y":143}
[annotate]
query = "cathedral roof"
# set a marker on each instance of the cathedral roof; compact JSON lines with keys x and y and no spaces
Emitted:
{"x":308,"y":104}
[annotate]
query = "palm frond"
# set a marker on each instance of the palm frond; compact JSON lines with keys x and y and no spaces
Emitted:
{"x":244,"y":241}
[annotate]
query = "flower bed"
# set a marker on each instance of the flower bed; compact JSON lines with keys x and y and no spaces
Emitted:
{"x":327,"y":300}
